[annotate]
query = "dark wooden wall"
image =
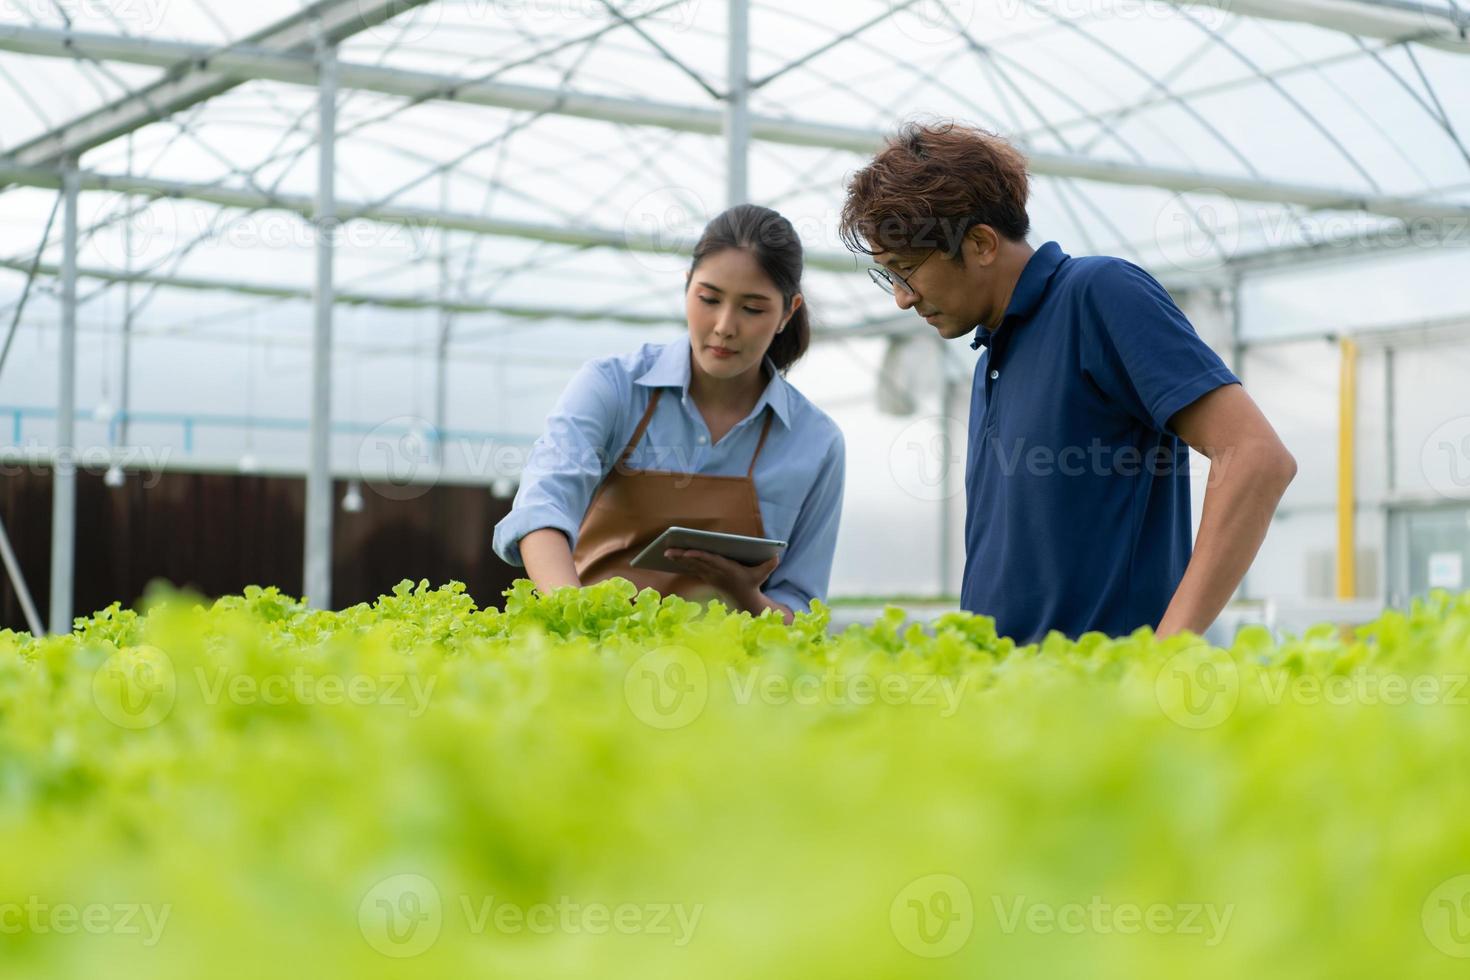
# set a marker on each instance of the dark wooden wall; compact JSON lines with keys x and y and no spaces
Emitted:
{"x":217,"y":533}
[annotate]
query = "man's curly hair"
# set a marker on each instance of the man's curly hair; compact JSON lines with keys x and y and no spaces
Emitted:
{"x":932,"y":183}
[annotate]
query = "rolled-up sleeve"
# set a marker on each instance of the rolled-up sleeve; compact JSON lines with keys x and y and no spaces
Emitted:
{"x":567,"y":462}
{"x":806,"y":567}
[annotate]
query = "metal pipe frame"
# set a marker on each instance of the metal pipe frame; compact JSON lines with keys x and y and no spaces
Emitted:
{"x":737,"y":109}
{"x":64,"y":475}
{"x":317,"y":562}
{"x":244,"y":62}
{"x":1389,"y":20}
{"x":186,"y":83}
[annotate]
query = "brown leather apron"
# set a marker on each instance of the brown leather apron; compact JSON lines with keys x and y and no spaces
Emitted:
{"x":632,"y":507}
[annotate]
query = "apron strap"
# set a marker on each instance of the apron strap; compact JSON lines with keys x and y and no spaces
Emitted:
{"x":765,"y":431}
{"x":638,"y":432}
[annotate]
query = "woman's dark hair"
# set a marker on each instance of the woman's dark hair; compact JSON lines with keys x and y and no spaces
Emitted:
{"x":773,"y":242}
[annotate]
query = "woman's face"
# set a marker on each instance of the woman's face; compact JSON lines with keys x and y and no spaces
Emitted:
{"x":734,"y":312}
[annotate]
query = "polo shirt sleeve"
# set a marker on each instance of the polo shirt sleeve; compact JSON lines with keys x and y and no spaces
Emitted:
{"x":568,"y":461}
{"x":805,"y":569}
{"x":1141,"y":350}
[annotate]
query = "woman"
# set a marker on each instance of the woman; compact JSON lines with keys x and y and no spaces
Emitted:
{"x":704,"y":432}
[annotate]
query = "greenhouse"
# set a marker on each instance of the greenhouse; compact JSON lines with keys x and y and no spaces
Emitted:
{"x":299,"y":300}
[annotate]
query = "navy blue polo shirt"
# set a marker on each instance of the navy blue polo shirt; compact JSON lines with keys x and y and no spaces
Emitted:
{"x":1077,"y":491}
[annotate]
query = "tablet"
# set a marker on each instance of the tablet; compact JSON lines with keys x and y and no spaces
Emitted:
{"x":736,"y":547}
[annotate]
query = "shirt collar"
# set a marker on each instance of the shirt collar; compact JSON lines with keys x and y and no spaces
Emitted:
{"x":1030,"y":288}
{"x":671,"y":370}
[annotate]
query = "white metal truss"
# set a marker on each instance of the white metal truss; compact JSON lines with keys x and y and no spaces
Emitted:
{"x":244,"y":62}
{"x":1389,"y":20}
{"x":186,"y":83}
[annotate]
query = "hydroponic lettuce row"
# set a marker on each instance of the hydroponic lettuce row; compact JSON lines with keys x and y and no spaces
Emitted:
{"x":589,"y":784}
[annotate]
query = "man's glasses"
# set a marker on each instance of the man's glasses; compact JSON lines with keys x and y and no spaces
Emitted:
{"x":889,"y":281}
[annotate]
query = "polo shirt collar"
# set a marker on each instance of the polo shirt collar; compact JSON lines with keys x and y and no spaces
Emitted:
{"x":672,"y":368}
{"x":1030,"y":288}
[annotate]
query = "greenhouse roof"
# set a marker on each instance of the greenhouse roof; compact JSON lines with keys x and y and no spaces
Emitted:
{"x":554,"y":159}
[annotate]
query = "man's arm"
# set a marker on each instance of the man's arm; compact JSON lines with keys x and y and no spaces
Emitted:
{"x":1250,"y":469}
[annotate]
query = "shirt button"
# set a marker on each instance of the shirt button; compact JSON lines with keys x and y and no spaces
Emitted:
{"x":703,"y":440}
{"x":994,"y":375}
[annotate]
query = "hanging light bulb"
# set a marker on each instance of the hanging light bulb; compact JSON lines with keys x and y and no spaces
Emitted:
{"x":114,"y":477}
{"x":352,"y":499}
{"x":249,"y":463}
{"x":503,"y":488}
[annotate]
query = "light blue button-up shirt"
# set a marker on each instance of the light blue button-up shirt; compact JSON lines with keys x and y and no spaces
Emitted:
{"x":798,"y":477}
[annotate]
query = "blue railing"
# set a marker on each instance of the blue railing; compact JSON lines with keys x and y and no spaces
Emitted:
{"x":189,"y":421}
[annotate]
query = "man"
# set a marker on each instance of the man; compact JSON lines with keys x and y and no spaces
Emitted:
{"x":1090,"y":390}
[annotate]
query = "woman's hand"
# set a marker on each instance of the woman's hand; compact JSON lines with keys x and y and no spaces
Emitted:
{"x":742,"y":583}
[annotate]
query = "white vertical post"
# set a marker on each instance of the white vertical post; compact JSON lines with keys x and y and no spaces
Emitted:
{"x":64,"y":474}
{"x":737,"y":110}
{"x":125,"y":391}
{"x":317,"y":570}
{"x":946,"y":446}
{"x":446,"y":326}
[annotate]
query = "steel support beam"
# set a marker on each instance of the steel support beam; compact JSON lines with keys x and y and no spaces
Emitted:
{"x":1422,"y":232}
{"x":585,"y":236}
{"x":426,"y":85}
{"x":187,"y":80}
{"x":317,"y":562}
{"x":737,"y":108}
{"x":64,"y":474}
{"x":353,"y":298}
{"x":881,"y":327}
{"x":442,"y":341}
{"x":947,"y":441}
{"x":1389,"y":20}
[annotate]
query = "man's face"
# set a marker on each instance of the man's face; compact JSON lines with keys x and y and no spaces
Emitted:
{"x":954,"y":296}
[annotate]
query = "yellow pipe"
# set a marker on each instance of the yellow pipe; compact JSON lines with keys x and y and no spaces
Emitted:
{"x":1347,"y":504}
